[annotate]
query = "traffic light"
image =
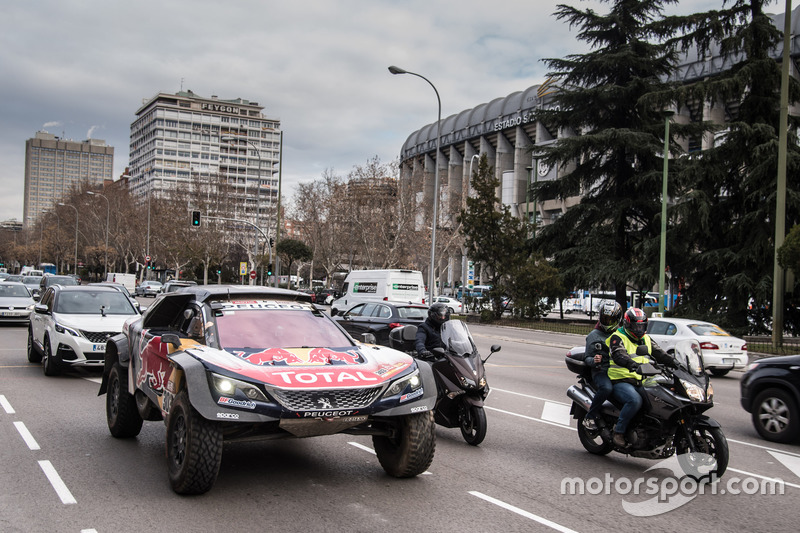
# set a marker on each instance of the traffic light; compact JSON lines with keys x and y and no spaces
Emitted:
{"x":271,"y":242}
{"x":195,"y":218}
{"x":269,"y":269}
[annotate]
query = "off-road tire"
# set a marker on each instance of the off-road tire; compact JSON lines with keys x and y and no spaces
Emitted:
{"x":592,"y":441}
{"x":410,"y":452}
{"x":49,"y":366}
{"x":776,"y":416}
{"x":194,"y":448}
{"x":472,"y":420}
{"x":121,"y":413}
{"x":709,"y":441}
{"x":34,"y":356}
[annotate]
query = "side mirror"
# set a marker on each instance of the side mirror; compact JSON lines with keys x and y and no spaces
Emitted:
{"x":40,"y":308}
{"x":368,"y":338}
{"x":334,"y":312}
{"x":494,"y":348}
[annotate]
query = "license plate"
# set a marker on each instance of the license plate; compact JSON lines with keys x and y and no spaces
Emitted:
{"x":98,"y":347}
{"x":730,"y":361}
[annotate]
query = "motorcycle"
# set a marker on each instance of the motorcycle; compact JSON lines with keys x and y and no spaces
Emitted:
{"x":460,"y":378}
{"x":671,"y":418}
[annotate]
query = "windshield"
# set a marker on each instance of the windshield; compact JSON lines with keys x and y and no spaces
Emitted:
{"x":93,"y":303}
{"x":688,"y":355}
{"x":32,"y":280}
{"x":61,"y":280}
{"x":456,"y":338}
{"x":708,"y":329}
{"x":276,"y":328}
{"x":13,"y":291}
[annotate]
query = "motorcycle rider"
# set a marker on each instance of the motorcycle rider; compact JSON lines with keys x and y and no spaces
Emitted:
{"x":429,"y":333}
{"x":624,"y":365}
{"x":597,"y":357}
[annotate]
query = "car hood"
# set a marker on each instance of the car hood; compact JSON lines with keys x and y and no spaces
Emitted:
{"x":92,"y":322}
{"x":310,"y":368}
{"x":16,"y":303}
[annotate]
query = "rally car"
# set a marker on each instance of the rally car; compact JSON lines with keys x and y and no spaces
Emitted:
{"x":219,"y":363}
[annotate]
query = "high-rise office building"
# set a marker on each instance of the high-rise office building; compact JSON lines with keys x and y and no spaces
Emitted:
{"x":179,"y":139}
{"x":54,"y":166}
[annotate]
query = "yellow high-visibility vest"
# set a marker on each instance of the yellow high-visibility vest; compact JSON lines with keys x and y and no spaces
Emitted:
{"x":620,"y":372}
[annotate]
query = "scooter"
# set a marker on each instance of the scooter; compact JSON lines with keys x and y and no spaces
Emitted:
{"x":460,"y":378}
{"x":671,"y":418}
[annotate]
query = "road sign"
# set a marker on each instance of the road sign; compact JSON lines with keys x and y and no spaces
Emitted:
{"x":252,"y":274}
{"x":147,"y":258}
{"x":243,"y":268}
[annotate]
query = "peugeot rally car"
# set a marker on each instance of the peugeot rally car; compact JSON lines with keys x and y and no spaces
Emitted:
{"x":222,"y":363}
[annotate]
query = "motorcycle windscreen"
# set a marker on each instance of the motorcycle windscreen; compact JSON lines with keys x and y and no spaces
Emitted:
{"x":689,"y":356}
{"x":456,"y":338}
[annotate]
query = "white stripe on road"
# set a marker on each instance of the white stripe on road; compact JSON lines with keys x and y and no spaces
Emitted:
{"x":528,"y":396}
{"x":557,"y":412}
{"x":26,"y":436}
{"x":55,"y":480}
{"x":762,"y":447}
{"x":6,"y":405}
{"x":529,"y":418}
{"x":95,"y":380}
{"x":789,"y":461}
{"x":520,"y":512}
{"x":763,"y":477}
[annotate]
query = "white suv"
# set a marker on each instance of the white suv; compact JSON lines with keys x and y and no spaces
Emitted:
{"x":70,"y":326}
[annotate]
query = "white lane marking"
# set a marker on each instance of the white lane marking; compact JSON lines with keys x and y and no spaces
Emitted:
{"x":529,"y":418}
{"x":556,"y":412}
{"x":26,"y":436}
{"x":762,"y":447}
{"x":6,"y":406}
{"x":789,"y":461}
{"x":370,"y":450}
{"x":526,"y":514}
{"x":762,"y":477}
{"x":528,"y":396}
{"x":55,"y":480}
{"x":88,"y":531}
{"x":94,"y":380}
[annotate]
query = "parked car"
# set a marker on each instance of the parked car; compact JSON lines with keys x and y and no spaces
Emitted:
{"x":16,"y":302}
{"x":70,"y":326}
{"x":380,"y":318}
{"x":721,"y":351}
{"x":454,"y":305}
{"x":148,"y":288}
{"x":227,"y":362}
{"x":121,"y":288}
{"x":176,"y":285}
{"x":770,"y":392}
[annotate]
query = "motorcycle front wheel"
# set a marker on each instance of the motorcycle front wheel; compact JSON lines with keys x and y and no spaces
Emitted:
{"x":709,"y":460}
{"x":592,"y":440}
{"x":473,"y":423}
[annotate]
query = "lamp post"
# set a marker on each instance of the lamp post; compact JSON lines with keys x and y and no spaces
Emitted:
{"x":229,"y":139}
{"x":75,"y":266}
{"x":431,"y":276}
{"x":278,"y":215}
{"x":108,"y":213}
{"x":662,"y":266}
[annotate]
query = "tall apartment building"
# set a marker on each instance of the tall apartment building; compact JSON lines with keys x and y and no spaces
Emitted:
{"x":53,"y":166}
{"x":182,"y":138}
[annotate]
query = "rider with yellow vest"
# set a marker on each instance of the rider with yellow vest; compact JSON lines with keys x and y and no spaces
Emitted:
{"x":624,"y":364}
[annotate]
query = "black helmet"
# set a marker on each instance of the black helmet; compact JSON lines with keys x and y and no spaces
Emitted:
{"x":610,"y":316}
{"x":439,"y":313}
{"x":635,"y":323}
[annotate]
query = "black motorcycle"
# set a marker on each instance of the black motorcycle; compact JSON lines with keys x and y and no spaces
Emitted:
{"x":460,"y":378}
{"x":671,"y":418}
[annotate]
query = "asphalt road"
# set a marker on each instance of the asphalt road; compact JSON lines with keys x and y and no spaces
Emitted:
{"x":61,"y":471}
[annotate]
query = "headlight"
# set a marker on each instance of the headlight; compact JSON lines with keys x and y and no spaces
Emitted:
{"x":64,"y":329}
{"x":466,"y":382}
{"x":228,"y":386}
{"x":413,"y":381}
{"x":710,"y":392}
{"x":695,"y":393}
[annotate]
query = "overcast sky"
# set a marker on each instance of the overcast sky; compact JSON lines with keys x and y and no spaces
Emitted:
{"x":81,"y":68}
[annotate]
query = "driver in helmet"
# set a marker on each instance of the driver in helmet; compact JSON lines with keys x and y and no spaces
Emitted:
{"x":625,"y":363}
{"x":429,"y":333}
{"x":596,"y":356}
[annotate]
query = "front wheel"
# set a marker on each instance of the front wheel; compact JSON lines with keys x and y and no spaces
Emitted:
{"x":472,"y":420}
{"x":33,"y":354}
{"x":776,"y":416}
{"x":592,"y":440}
{"x":122,"y":415}
{"x":409,"y":452}
{"x":194,"y":448}
{"x":709,"y":458}
{"x":49,"y":366}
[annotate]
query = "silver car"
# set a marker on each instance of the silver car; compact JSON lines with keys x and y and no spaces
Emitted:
{"x":16,"y":302}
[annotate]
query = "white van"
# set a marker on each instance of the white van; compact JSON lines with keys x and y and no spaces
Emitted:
{"x":393,"y":286}
{"x":128,"y":280}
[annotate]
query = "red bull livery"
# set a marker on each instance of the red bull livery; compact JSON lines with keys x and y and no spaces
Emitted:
{"x":222,"y":363}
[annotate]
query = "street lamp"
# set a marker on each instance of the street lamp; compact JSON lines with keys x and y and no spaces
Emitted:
{"x":278,"y":215}
{"x":75,"y":267}
{"x":229,"y":139}
{"x":662,"y":266}
{"x":431,"y":277}
{"x":108,"y":213}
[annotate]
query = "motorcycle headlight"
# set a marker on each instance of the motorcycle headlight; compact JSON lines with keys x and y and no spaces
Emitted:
{"x":466,"y":382}
{"x":65,"y":329}
{"x":693,"y":391}
{"x":228,"y":386}
{"x":710,"y":392}
{"x":412,"y":380}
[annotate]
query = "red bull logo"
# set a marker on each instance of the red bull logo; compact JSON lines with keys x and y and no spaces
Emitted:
{"x":315,"y":356}
{"x":328,"y":356}
{"x":272,"y":356}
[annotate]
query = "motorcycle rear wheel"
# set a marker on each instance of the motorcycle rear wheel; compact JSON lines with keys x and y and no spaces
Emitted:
{"x":711,"y":444}
{"x":473,"y":423}
{"x":592,"y":440}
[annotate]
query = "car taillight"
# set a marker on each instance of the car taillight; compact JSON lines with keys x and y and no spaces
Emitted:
{"x":708,"y":346}
{"x":744,"y":347}
{"x":385,"y":298}
{"x":395,"y":325}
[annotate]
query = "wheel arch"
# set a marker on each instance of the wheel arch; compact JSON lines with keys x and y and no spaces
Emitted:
{"x":116,"y":352}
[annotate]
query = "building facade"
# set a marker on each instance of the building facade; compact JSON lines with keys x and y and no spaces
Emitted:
{"x":182,"y":138}
{"x":54,"y":166}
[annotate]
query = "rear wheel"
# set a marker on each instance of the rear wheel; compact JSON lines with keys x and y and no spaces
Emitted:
{"x":121,"y":413}
{"x":592,"y":440}
{"x":33,"y":354}
{"x":473,"y":423}
{"x":775,"y":416}
{"x":194,"y":448}
{"x":49,"y":365}
{"x":410,"y":451}
{"x":709,"y":460}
